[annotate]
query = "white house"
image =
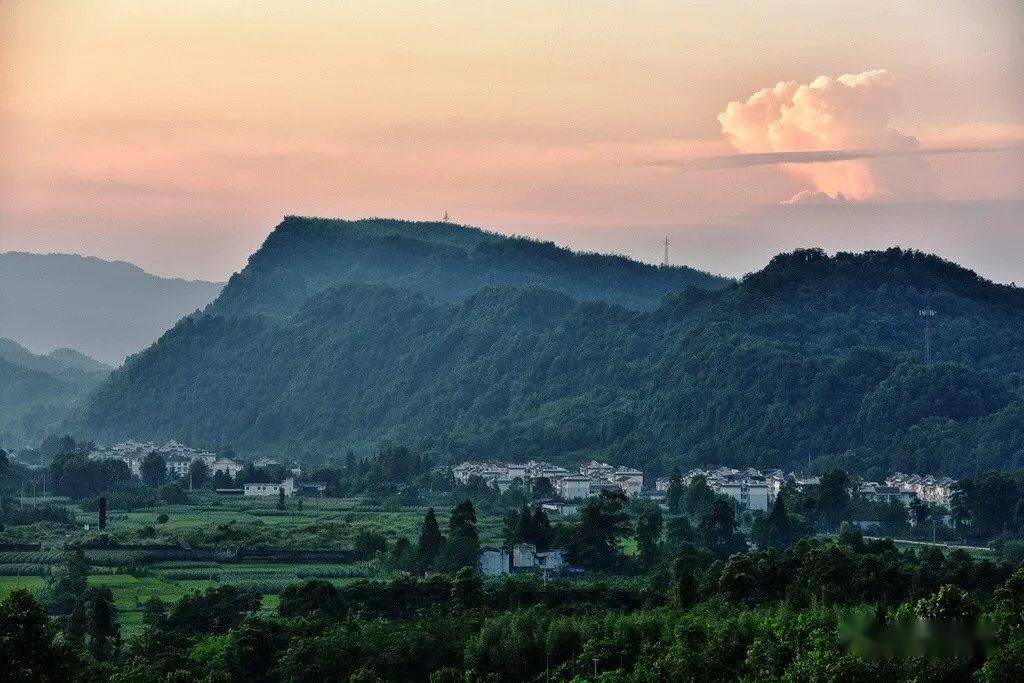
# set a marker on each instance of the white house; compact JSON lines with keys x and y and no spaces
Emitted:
{"x":288,"y":485}
{"x":314,"y":488}
{"x":878,"y":493}
{"x":751,"y":494}
{"x":555,"y":507}
{"x":225,"y":465}
{"x":525,"y":556}
{"x":552,"y":472}
{"x":629,"y":480}
{"x":495,"y":562}
{"x":573,"y":487}
{"x":517,"y":471}
{"x":463,"y":472}
{"x":177,"y":465}
{"x":593,"y":468}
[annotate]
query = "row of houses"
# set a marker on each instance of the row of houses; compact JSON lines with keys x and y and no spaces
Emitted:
{"x":178,"y":458}
{"x":754,"y":489}
{"x":938,"y":490}
{"x":591,"y":478}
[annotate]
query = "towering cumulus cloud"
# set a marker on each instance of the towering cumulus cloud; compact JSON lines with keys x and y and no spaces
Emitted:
{"x":850,"y":113}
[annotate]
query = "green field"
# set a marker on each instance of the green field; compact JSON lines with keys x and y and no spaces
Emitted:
{"x":223,"y":523}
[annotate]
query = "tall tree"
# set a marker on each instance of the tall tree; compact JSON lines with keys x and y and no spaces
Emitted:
{"x":541,"y":528}
{"x":674,"y":495}
{"x":222,"y":480}
{"x":595,"y":538}
{"x":430,"y":541}
{"x":518,"y":526}
{"x":153,"y":469}
{"x":699,"y":497}
{"x":995,"y":500}
{"x":29,"y":650}
{"x":462,"y":546}
{"x":198,"y":474}
{"x":776,"y":529}
{"x":678,"y":531}
{"x":104,"y":631}
{"x":718,"y":528}
{"x":648,"y":534}
{"x":833,"y":499}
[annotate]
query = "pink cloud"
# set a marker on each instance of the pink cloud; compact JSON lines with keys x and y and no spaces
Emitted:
{"x":851,"y":112}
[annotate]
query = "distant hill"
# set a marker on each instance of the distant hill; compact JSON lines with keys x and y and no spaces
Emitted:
{"x":37,"y":391}
{"x":104,"y":309}
{"x":534,"y":352}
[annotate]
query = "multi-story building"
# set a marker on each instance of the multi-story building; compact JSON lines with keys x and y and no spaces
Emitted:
{"x":749,"y":492}
{"x":630,"y":481}
{"x":598,"y":470}
{"x":226,"y":466}
{"x":177,"y":457}
{"x":573,"y":487}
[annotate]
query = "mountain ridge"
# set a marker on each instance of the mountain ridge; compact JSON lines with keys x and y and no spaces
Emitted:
{"x":806,"y":358}
{"x":303,"y":255}
{"x":36,"y":391}
{"x":104,"y":309}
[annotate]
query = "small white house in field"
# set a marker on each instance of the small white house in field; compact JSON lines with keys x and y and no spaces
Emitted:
{"x":495,"y":562}
{"x":288,"y":486}
{"x":525,"y":556}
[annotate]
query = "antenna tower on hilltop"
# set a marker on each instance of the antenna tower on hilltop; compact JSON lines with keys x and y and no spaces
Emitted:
{"x":665,"y":261}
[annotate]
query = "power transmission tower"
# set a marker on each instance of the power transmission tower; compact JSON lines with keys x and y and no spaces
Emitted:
{"x":665,"y":261}
{"x":927,"y":314}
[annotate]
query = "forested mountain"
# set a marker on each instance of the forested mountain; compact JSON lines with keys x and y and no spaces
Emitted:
{"x":444,"y":261}
{"x":814,"y":357}
{"x":105,"y":309}
{"x":37,"y":391}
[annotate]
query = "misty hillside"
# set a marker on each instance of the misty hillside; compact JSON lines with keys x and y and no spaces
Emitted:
{"x":104,"y":309}
{"x":812,"y":357}
{"x":37,"y":391}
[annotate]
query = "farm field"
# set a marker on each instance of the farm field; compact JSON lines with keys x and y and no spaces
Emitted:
{"x":223,"y":526}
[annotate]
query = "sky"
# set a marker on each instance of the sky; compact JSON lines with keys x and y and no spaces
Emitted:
{"x":176,"y":134}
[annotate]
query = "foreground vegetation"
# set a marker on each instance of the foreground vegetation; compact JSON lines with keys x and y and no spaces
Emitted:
{"x":820,"y":610}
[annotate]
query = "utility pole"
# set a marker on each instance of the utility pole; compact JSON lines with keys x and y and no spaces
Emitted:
{"x":927,"y":314}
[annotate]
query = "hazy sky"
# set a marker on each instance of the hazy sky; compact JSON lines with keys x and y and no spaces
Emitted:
{"x":175,"y":134}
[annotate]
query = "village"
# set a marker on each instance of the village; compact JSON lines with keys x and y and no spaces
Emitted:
{"x":751,"y":489}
